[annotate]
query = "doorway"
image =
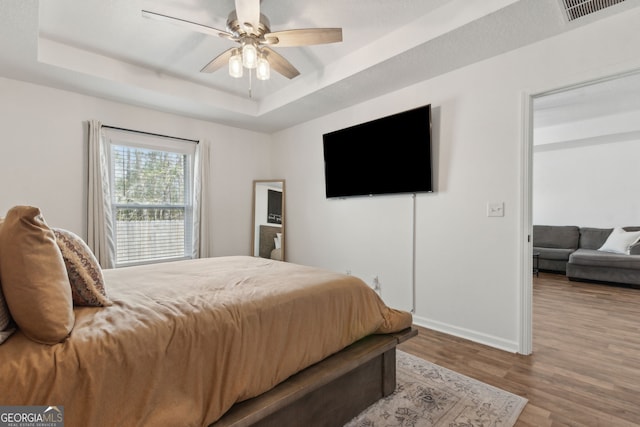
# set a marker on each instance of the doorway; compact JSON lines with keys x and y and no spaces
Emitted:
{"x":587,"y":132}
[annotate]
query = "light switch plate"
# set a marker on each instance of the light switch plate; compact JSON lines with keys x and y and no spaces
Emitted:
{"x":495,"y":209}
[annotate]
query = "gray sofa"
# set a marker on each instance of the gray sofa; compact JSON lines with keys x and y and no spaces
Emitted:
{"x":554,"y":244}
{"x":574,"y":251}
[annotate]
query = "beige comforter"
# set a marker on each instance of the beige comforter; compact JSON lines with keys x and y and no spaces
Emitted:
{"x":186,"y":340}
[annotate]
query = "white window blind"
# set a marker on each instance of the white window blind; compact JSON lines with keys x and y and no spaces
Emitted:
{"x":151,"y":198}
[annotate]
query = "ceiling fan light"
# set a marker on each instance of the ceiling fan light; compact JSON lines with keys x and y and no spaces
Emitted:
{"x":249,"y":56}
{"x":235,"y":66}
{"x":263,"y":70}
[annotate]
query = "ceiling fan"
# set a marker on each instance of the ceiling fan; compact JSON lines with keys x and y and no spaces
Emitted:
{"x":248,"y":27}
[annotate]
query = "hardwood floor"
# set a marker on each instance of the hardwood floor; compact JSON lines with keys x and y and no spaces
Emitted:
{"x":585,"y":366}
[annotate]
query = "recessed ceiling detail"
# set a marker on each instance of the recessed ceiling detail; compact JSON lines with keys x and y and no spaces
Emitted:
{"x":109,"y":50}
{"x":578,"y":8}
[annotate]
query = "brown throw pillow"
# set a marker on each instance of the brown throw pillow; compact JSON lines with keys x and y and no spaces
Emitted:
{"x":83,"y":269}
{"x":6,"y":328}
{"x":34,"y":278}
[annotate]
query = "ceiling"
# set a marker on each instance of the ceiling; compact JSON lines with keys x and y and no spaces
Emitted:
{"x":106,"y":48}
{"x":608,"y":97}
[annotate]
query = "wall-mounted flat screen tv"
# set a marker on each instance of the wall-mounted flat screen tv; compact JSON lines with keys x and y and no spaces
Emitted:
{"x":388,"y":155}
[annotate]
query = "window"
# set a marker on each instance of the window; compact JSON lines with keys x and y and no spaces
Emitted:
{"x":151,"y":191}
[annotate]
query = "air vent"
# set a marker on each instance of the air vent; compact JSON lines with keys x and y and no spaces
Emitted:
{"x":578,"y":8}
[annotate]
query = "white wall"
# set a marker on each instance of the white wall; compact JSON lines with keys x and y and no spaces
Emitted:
{"x":468,"y":272}
{"x":468,"y":268}
{"x":587,"y":173}
{"x":43,"y":158}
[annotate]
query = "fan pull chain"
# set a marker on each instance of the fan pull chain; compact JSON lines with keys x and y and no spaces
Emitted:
{"x":250,"y":96}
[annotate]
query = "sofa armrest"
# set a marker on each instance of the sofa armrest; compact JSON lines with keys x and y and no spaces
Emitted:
{"x":635,"y":249}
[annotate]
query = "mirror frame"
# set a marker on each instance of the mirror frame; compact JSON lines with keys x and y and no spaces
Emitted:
{"x":254,"y":224}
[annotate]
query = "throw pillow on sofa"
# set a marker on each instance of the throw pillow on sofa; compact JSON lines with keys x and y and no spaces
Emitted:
{"x":620,"y":241}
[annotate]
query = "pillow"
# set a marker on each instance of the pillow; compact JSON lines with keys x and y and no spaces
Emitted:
{"x":34,"y":278}
{"x":619,"y":241}
{"x":83,"y":269}
{"x":6,"y":327}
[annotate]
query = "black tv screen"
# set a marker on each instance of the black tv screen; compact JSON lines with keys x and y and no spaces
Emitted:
{"x":384,"y":156}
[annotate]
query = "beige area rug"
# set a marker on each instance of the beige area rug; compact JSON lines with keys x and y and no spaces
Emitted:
{"x":430,"y":395}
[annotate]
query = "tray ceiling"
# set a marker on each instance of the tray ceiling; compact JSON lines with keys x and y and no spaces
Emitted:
{"x":107,"y":49}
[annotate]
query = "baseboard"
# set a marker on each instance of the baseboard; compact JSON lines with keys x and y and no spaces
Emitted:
{"x":492,"y":341}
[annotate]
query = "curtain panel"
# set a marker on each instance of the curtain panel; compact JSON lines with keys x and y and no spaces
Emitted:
{"x":201,"y":232}
{"x":101,"y":238}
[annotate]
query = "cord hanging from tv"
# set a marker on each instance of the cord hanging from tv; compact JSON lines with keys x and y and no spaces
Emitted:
{"x":389,"y":155}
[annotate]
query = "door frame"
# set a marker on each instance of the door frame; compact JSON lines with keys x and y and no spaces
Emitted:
{"x":525,"y":327}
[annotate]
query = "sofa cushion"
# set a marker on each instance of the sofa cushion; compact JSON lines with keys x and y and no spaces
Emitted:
{"x":595,"y":258}
{"x":553,"y":253}
{"x":556,"y":236}
{"x":593,"y":238}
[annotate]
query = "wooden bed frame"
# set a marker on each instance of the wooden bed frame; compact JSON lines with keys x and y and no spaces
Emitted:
{"x":329,"y":393}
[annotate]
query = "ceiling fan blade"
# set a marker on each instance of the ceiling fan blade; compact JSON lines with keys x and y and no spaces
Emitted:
{"x":248,"y":13}
{"x":187,"y":24}
{"x":279,"y":63}
{"x":219,"y":61}
{"x":304,"y":37}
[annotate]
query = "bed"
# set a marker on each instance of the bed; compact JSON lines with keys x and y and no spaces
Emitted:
{"x":227,"y":341}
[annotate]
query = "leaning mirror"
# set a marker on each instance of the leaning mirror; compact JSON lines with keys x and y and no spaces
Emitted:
{"x":268,"y":219}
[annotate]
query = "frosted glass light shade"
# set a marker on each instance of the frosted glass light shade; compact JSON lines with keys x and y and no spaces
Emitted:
{"x":249,"y":56}
{"x":263,"y":71}
{"x":235,"y":66}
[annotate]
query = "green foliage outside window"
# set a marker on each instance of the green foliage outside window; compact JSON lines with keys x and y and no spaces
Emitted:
{"x":152,"y":180}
